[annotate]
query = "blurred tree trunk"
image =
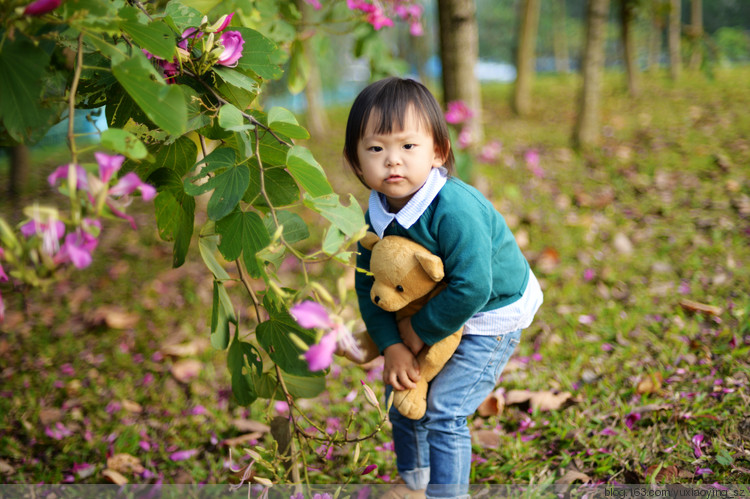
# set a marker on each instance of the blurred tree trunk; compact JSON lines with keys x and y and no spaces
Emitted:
{"x":696,"y":34}
{"x":19,"y":170}
{"x":316,"y":117}
{"x":459,"y":51}
{"x":586,"y":133}
{"x":675,"y":25}
{"x":526,"y":57}
{"x":656,"y":11}
{"x":560,"y":37}
{"x":630,"y":52}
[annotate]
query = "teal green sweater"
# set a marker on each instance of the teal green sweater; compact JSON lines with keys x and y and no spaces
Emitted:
{"x":484,"y":267}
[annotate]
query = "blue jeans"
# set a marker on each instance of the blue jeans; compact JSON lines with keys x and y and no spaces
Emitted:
{"x":435,"y":451}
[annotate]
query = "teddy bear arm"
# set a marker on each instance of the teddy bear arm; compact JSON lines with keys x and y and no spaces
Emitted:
{"x":431,"y":360}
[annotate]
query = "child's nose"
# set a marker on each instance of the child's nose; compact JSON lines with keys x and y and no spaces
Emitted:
{"x":392,"y":160}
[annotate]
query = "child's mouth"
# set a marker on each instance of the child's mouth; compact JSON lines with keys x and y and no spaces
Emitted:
{"x":394,"y":178}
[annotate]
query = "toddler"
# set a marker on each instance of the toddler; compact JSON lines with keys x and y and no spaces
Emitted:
{"x":397,"y":144}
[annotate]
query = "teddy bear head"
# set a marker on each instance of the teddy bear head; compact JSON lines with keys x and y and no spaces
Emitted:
{"x":404,"y":271}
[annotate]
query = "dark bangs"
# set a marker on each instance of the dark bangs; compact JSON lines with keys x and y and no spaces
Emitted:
{"x":388,"y":101}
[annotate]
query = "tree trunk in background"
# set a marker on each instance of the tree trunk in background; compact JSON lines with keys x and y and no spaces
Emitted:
{"x":630,"y":51}
{"x":316,"y":117}
{"x":675,"y":26}
{"x":19,"y":170}
{"x":526,"y":57}
{"x":586,"y":133}
{"x":696,"y":34}
{"x":654,"y":35}
{"x":560,"y":37}
{"x":459,"y":51}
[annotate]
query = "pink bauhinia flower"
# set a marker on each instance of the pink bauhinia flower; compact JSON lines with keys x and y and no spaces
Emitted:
{"x":309,"y":315}
{"x":79,"y":245}
{"x":63,"y":173}
{"x":50,"y":232}
{"x":490,"y":151}
{"x":40,"y":7}
{"x":320,"y":356}
{"x":458,"y":112}
{"x":233,"y":43}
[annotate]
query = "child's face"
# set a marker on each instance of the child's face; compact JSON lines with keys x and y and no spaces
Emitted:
{"x":397,"y":164}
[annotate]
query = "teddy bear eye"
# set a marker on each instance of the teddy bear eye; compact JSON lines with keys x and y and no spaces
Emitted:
{"x":400,"y":288}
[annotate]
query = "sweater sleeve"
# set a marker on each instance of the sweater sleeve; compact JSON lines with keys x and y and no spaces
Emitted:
{"x":381,"y":325}
{"x":465,"y":243}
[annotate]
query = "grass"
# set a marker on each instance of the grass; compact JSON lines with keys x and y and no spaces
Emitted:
{"x":619,"y":238}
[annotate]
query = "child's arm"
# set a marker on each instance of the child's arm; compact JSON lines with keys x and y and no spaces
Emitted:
{"x":400,"y":368}
{"x":409,"y":336}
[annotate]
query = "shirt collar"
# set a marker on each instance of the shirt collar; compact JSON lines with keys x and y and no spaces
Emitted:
{"x":407,"y":216}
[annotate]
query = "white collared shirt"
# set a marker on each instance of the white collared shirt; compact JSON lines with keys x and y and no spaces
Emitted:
{"x":507,"y":319}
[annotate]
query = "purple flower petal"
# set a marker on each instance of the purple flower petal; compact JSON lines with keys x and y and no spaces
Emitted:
{"x":703,"y":471}
{"x":129,"y":183}
{"x":41,"y":7}
{"x":320,"y":356}
{"x":61,"y":173}
{"x":108,"y":165}
{"x":233,"y":43}
{"x":631,"y":419}
{"x":183,"y":455}
{"x":458,"y":112}
{"x":369,"y":469}
{"x":226,"y":20}
{"x":310,"y":314}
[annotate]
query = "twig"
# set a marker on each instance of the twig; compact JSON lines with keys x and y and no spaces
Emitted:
{"x":251,"y":292}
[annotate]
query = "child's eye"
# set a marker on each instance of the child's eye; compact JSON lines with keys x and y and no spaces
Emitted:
{"x":409,"y":146}
{"x":375,"y":148}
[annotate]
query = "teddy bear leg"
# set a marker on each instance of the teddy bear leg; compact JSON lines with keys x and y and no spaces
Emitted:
{"x":412,"y":404}
{"x":432,"y":359}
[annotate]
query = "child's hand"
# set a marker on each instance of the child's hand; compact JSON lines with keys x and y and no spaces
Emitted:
{"x":400,"y":369}
{"x":409,"y":336}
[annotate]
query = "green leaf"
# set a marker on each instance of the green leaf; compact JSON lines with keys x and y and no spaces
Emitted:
{"x":22,"y":68}
{"x":207,"y":245}
{"x":243,"y":391}
{"x":348,"y":219}
{"x":282,"y":120}
{"x":175,"y":212}
{"x":724,"y":458}
{"x":333,"y":241}
{"x":182,"y":15}
{"x":307,"y":171}
{"x":230,"y":118}
{"x":310,"y":386}
{"x":258,"y":54}
{"x":178,"y":156}
{"x":243,"y":233}
{"x":237,"y":79}
{"x":299,"y":68}
{"x":219,"y":321}
{"x":222,"y":157}
{"x":203,"y":6}
{"x":229,"y":187}
{"x":163,"y":104}
{"x":273,"y":336}
{"x":124,"y":142}
{"x":272,"y":153}
{"x":156,"y":37}
{"x":295,"y":229}
{"x":280,"y":187}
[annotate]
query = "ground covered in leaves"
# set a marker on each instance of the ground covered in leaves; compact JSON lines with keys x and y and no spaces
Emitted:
{"x":636,"y":369}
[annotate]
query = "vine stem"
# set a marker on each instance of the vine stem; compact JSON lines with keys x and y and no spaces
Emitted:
{"x":250,"y":291}
{"x":72,"y":172}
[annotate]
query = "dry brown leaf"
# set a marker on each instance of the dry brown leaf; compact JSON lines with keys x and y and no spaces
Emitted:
{"x":543,"y":401}
{"x":249,"y":425}
{"x":6,"y":468}
{"x":650,"y":384}
{"x":186,"y":369}
{"x":242,"y":439}
{"x":124,"y":463}
{"x":114,"y":316}
{"x":548,"y":260}
{"x":696,"y":307}
{"x":572,"y":476}
{"x":486,"y":439}
{"x":131,"y":406}
{"x":189,"y":349}
{"x":492,"y":405}
{"x":666,"y":474}
{"x":114,"y":477}
{"x":50,"y":415}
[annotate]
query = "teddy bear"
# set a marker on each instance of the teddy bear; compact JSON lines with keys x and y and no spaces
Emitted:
{"x":406,"y":276}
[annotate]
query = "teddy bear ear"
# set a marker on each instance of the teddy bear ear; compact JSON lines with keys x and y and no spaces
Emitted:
{"x":431,"y":264}
{"x":369,"y":241}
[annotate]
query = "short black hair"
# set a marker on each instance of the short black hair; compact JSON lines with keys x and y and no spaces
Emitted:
{"x":391,"y":98}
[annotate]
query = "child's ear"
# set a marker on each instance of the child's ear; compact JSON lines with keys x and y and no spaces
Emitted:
{"x":441,"y":157}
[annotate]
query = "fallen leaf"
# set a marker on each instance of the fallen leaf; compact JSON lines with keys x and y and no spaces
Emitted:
{"x":622,"y":244}
{"x":249,"y":425}
{"x":186,"y":369}
{"x":114,"y":316}
{"x":650,"y":384}
{"x":548,"y":260}
{"x":572,"y":476}
{"x":6,"y":468}
{"x":486,"y":439}
{"x":492,"y":405}
{"x":114,"y":477}
{"x":189,"y":349}
{"x":124,"y":463}
{"x":696,"y":307}
{"x":131,"y":406}
{"x":543,"y":401}
{"x":242,"y":439}
{"x":50,"y":415}
{"x":666,"y":474}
